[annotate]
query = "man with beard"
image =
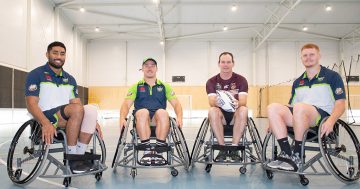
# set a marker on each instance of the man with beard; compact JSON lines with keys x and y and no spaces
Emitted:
{"x":149,"y":96}
{"x":52,"y":99}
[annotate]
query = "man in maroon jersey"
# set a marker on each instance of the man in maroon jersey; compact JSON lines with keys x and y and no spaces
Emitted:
{"x":237,"y":85}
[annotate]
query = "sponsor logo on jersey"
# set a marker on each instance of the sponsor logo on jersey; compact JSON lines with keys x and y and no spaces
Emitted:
{"x":32,"y":87}
{"x":233,"y":86}
{"x":65,"y":80}
{"x":160,"y":88}
{"x":301,"y":82}
{"x":218,"y":86}
{"x":48,"y":77}
{"x":142,"y":89}
{"x":321,"y":78}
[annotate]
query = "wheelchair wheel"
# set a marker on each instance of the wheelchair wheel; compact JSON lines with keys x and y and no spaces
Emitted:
{"x":120,"y":146}
{"x":199,"y":141}
{"x":255,"y":137}
{"x":180,"y":144}
{"x":27,"y":154}
{"x":269,"y":149}
{"x":341,"y":152}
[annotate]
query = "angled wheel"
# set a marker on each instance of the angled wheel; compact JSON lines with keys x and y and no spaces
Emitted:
{"x":121,"y":144}
{"x":255,"y":137}
{"x":180,"y":144}
{"x":341,"y":152}
{"x":27,"y":154}
{"x":199,"y":141}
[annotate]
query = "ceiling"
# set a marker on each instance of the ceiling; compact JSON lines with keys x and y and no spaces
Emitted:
{"x":168,"y":20}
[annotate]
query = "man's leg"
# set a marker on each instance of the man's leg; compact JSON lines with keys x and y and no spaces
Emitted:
{"x":70,"y":118}
{"x":161,"y":119}
{"x":279,"y":118}
{"x":142,"y":117}
{"x":88,"y":127}
{"x":240,"y":122}
{"x":305,"y":115}
{"x":216,"y":122}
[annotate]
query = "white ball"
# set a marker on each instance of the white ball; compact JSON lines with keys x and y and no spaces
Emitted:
{"x":226,"y":100}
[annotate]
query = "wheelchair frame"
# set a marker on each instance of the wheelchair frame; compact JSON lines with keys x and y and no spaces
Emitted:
{"x":311,"y":136}
{"x":44,"y":153}
{"x":207,"y":156}
{"x":126,"y":154}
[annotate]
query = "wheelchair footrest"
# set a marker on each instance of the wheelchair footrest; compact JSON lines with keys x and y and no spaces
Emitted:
{"x":230,"y":148}
{"x":84,"y":157}
{"x":152,"y":160}
{"x":158,"y":149}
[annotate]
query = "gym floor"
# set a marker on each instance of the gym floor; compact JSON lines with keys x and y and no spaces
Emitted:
{"x":220,"y":176}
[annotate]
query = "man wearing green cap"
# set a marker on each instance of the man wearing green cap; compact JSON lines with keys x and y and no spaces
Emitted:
{"x":149,"y":96}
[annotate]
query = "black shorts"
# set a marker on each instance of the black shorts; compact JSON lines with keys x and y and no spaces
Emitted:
{"x":51,"y":114}
{"x":228,"y":116}
{"x":322,"y":115}
{"x":151,"y":113}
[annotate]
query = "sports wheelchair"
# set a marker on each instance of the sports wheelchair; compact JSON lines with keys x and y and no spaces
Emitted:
{"x":337,"y":154}
{"x":28,"y":156}
{"x":127,"y":151}
{"x":206,"y":144}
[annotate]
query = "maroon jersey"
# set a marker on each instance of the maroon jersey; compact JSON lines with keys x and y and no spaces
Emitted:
{"x":236,"y":85}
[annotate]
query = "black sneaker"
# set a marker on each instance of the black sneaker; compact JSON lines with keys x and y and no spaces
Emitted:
{"x":221,"y":157}
{"x":78,"y":167}
{"x":234,"y":156}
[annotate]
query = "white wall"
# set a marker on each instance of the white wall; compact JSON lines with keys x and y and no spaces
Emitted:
{"x":27,"y":27}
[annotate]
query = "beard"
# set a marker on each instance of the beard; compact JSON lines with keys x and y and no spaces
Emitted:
{"x":53,"y":64}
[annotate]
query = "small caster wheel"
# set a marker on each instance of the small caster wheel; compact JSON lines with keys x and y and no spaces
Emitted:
{"x":17,"y":174}
{"x":303,"y":180}
{"x":242,"y":170}
{"x":269,"y":174}
{"x":351,"y":171}
{"x":98,"y":176}
{"x":133,"y":173}
{"x":208,"y":168}
{"x":67,"y":181}
{"x":174,"y":172}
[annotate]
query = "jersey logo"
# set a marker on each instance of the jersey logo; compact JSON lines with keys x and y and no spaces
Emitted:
{"x":142,"y":89}
{"x":65,"y":80}
{"x":218,"y":86}
{"x":233,"y":86}
{"x":48,"y":77}
{"x":129,"y":94}
{"x":226,"y":87}
{"x":32,"y":88}
{"x":339,"y":91}
{"x":172,"y":93}
{"x":321,"y":78}
{"x":159,"y":89}
{"x":301,"y":82}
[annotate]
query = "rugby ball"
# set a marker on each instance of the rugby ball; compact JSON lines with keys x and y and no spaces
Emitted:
{"x":225,"y":100}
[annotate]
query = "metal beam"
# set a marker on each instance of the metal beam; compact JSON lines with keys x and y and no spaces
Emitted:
{"x":311,"y":33}
{"x":354,"y":33}
{"x":206,"y":33}
{"x":116,"y":16}
{"x":159,"y":18}
{"x":285,"y":7}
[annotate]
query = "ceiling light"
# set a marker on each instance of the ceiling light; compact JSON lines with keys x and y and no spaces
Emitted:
{"x":156,"y":1}
{"x":328,"y":8}
{"x":225,"y":28}
{"x":305,"y":28}
{"x":161,"y":42}
{"x":97,"y":29}
{"x":82,"y":9}
{"x":234,"y":8}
